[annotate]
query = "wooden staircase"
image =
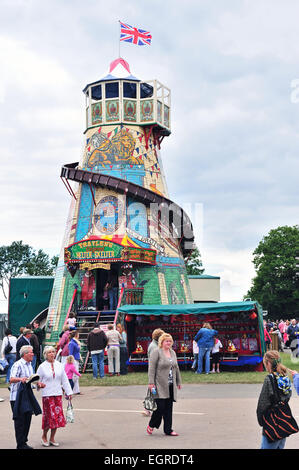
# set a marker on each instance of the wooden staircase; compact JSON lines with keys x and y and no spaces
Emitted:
{"x":85,"y":323}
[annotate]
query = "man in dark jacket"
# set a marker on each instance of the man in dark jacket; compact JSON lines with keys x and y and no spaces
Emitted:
{"x":96,"y":343}
{"x":24,"y":340}
{"x":293,"y":332}
{"x":35,"y":344}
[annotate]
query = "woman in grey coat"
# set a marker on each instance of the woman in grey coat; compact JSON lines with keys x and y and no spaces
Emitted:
{"x":164,"y":375}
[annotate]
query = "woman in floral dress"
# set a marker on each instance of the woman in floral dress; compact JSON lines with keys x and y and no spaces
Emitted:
{"x":52,"y":374}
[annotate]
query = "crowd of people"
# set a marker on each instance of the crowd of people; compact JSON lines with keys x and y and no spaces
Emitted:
{"x":287,"y":333}
{"x":57,"y":372}
{"x":11,"y":345}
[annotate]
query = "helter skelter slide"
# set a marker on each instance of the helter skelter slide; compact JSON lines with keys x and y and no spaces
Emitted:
{"x":121,"y":222}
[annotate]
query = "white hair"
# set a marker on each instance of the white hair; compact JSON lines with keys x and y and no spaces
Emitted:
{"x":25,"y":349}
{"x":47,"y":350}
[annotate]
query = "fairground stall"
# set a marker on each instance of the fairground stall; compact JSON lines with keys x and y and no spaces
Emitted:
{"x":239,"y":326}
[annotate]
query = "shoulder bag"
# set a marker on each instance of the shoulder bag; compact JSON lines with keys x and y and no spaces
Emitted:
{"x":8,"y":347}
{"x":278,"y":421}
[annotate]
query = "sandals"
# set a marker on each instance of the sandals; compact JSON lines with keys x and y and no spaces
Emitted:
{"x":149,"y":430}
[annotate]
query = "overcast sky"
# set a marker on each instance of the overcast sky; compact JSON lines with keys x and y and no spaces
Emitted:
{"x":233,"y":151}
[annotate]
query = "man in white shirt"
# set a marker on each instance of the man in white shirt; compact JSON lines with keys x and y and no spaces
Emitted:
{"x":20,"y":372}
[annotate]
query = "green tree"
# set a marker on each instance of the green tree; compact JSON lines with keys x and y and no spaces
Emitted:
{"x":17,"y":259}
{"x":276,"y":285}
{"x":193,"y":263}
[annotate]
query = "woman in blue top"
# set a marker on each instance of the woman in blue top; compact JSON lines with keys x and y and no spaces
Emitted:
{"x":74,"y":350}
{"x":205,"y":340}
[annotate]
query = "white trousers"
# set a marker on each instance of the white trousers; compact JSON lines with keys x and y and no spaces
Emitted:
{"x":76,"y":388}
{"x":113,"y":353}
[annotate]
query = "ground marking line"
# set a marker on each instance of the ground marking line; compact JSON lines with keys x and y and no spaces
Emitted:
{"x":134,"y":411}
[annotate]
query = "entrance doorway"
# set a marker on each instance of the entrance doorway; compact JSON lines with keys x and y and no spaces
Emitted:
{"x":103,"y":277}
{"x":101,"y":281}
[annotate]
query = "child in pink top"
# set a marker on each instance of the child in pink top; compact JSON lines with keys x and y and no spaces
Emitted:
{"x":70,"y":370}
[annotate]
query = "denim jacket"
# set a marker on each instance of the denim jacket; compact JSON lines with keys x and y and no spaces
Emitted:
{"x":205,"y":337}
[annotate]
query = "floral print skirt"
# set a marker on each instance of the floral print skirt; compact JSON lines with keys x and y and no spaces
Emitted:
{"x":53,"y":416}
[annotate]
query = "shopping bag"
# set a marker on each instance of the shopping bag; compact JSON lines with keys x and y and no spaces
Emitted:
{"x":149,"y":402}
{"x":70,"y":412}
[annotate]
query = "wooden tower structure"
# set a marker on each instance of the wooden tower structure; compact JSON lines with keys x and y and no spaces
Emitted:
{"x":122,"y":226}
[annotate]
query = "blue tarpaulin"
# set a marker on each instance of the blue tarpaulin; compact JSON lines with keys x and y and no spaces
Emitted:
{"x":244,"y":361}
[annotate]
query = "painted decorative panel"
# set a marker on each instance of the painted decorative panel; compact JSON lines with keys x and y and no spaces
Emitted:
{"x":108,"y":214}
{"x":130,"y":109}
{"x":147,"y":110}
{"x":96,"y":113}
{"x":159,"y":112}
{"x":111,"y":148}
{"x":166,"y":116}
{"x":112,"y":111}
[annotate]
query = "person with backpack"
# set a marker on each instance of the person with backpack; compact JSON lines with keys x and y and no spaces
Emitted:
{"x":8,"y":351}
{"x":279,"y":379}
{"x":63,"y":345}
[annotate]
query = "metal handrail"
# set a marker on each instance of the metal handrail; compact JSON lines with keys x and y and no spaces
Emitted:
{"x":118,"y":304}
{"x":71,"y":304}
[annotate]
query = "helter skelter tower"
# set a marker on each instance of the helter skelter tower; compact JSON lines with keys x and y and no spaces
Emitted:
{"x":121,"y":223}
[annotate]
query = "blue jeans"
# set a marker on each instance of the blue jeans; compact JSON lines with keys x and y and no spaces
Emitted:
{"x":195,"y":361}
{"x":204,"y":352}
{"x":113,"y":298}
{"x":11,"y":358}
{"x":33,"y":362}
{"x":98,"y":362}
{"x":272,"y":445}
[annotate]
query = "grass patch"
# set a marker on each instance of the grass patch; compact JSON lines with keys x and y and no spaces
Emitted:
{"x":188,"y":377}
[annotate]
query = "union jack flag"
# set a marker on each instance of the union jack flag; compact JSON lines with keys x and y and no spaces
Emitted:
{"x":140,"y":37}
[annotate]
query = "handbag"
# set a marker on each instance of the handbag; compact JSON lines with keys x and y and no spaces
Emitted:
{"x":149,"y":402}
{"x":3,"y":365}
{"x":8,"y":347}
{"x":70,"y":412}
{"x":278,"y":421}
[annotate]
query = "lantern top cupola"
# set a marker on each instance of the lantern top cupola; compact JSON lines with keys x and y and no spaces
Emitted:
{"x":121,"y":98}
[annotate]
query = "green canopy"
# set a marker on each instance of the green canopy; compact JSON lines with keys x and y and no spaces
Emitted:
{"x":200,"y":309}
{"x":191,"y":309}
{"x":28,"y":296}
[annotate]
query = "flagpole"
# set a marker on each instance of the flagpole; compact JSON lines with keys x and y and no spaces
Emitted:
{"x":119,"y":41}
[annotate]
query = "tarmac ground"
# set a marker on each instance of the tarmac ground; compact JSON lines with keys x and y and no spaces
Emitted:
{"x":206,"y":416}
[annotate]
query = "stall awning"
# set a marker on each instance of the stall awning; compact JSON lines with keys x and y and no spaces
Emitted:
{"x":191,"y":309}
